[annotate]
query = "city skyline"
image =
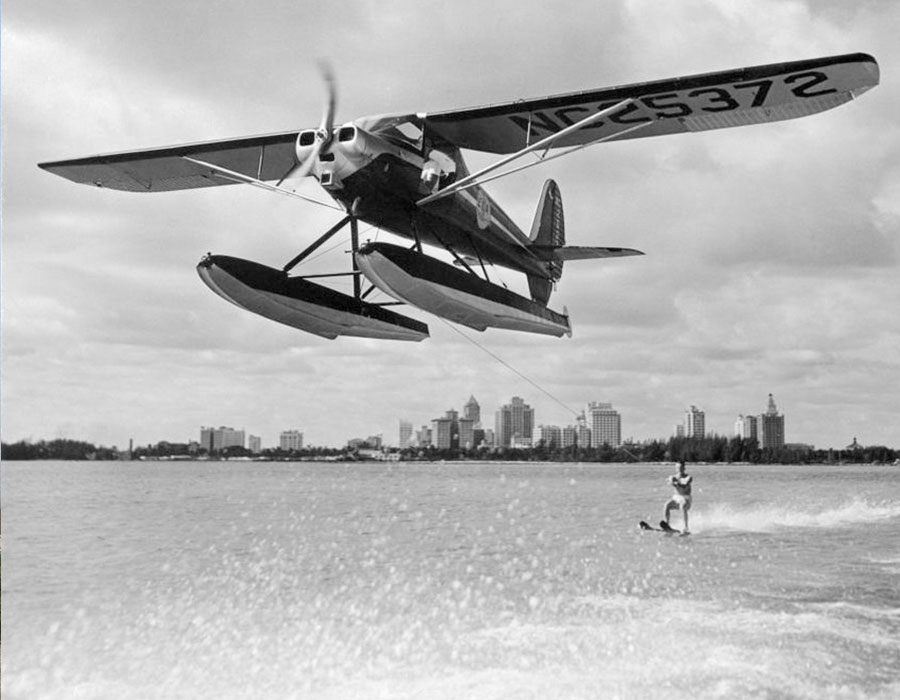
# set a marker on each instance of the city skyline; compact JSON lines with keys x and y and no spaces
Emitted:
{"x":601,"y":421}
{"x":771,"y":250}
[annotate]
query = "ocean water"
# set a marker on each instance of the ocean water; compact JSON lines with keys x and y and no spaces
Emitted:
{"x":476,"y":581}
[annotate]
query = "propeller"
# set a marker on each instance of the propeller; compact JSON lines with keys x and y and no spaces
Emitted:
{"x":324,"y":134}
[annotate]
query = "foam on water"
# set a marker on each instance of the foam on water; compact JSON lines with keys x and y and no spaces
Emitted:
{"x":568,"y":647}
{"x":766,"y":518}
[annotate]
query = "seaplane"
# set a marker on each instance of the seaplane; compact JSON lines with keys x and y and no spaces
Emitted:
{"x":405,"y":174}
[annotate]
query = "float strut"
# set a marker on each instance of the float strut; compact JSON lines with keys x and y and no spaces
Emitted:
{"x":354,"y":244}
{"x":324,"y":237}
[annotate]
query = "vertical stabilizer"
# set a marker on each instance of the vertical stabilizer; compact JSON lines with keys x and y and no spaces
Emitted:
{"x":549,"y":232}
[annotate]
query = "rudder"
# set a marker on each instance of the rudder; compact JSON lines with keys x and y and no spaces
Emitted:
{"x":548,"y":231}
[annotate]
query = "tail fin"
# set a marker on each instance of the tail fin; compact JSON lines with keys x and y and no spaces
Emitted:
{"x":548,"y":232}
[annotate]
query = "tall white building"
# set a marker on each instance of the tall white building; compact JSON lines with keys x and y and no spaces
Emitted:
{"x":254,"y":444}
{"x":290,"y":440}
{"x":745,"y":427}
{"x":694,"y":423}
{"x":605,"y":424}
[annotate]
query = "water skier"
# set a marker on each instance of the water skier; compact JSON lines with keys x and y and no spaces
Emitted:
{"x":681,"y":499}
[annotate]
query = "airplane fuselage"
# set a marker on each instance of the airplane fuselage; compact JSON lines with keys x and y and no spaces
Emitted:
{"x":381,"y":181}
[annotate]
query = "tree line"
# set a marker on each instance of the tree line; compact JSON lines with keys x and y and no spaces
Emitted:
{"x":713,"y":448}
{"x":56,"y":449}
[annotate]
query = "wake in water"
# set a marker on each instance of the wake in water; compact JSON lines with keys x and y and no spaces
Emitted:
{"x":768,"y":518}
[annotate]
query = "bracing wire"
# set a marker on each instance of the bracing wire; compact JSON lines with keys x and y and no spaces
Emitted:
{"x":511,"y":368}
{"x":340,"y":243}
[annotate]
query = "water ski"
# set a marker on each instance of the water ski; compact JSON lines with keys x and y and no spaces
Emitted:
{"x":663,"y":527}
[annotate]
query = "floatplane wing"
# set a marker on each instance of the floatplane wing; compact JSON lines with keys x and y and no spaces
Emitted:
{"x":405,"y":174}
{"x":250,"y":160}
{"x":738,"y":97}
{"x":695,"y":103}
{"x":754,"y":95}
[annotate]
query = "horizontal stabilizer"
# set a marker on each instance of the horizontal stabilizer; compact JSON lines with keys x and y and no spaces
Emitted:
{"x":581,"y":252}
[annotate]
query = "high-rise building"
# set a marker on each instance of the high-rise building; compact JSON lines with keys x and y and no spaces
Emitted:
{"x":472,"y":411}
{"x":218,"y":439}
{"x":445,"y":431}
{"x":771,"y":427}
{"x":568,"y":436}
{"x":406,"y":431}
{"x":423,"y":436}
{"x":442,"y":433}
{"x":290,"y":440}
{"x":745,"y":427}
{"x":551,"y":435}
{"x":694,"y":423}
{"x":466,"y":433}
{"x":606,"y":424}
{"x":254,"y":444}
{"x":503,"y":427}
{"x":582,"y":432}
{"x":514,"y":420}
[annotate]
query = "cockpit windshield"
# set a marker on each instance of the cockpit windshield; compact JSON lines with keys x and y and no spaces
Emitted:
{"x":406,"y":130}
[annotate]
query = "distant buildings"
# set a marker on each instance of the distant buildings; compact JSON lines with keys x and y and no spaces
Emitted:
{"x":582,"y":432}
{"x":406,"y":431}
{"x":599,"y":425}
{"x":514,"y":427}
{"x":290,"y":440}
{"x":551,"y":435}
{"x":423,"y":436}
{"x":217,"y":439}
{"x":745,"y":427}
{"x":694,"y":423}
{"x":771,"y":427}
{"x":578,"y":435}
{"x":467,"y":439}
{"x":472,"y":412}
{"x":445,"y":431}
{"x":766,"y":428}
{"x":605,"y":425}
{"x":371,"y":445}
{"x":514,"y":424}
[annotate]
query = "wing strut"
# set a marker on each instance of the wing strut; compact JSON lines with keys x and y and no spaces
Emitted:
{"x":545,"y":143}
{"x":227,"y":174}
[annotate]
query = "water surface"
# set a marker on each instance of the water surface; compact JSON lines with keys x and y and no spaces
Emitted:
{"x":270,"y":580}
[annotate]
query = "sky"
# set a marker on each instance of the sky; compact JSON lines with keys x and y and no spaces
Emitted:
{"x":771,"y":251}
